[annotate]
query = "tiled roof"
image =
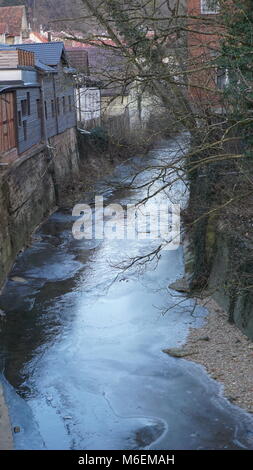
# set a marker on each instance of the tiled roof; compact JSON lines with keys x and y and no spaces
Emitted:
{"x":49,"y":53}
{"x":103,"y":60}
{"x":3,"y":88}
{"x":105,"y":64}
{"x":28,"y":41}
{"x":12,"y":16}
{"x":39,"y":37}
{"x":78,"y":58}
{"x":3,"y":28}
{"x":14,"y":85}
{"x":44,"y":67}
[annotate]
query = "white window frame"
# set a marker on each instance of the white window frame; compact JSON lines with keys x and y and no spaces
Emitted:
{"x":208,"y":10}
{"x":225,"y":76}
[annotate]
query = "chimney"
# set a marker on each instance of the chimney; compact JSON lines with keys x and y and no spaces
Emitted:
{"x":49,"y":36}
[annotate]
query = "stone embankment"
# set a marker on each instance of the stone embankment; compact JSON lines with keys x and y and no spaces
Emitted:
{"x":6,"y":440}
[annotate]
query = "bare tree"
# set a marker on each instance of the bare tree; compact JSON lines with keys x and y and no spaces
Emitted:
{"x":170,"y":60}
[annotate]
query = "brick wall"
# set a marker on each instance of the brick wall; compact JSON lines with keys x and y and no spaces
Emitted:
{"x":203,"y":45}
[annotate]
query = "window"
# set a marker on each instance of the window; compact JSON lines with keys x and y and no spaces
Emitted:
{"x":46,"y":115}
{"x":64,"y":105}
{"x":19,"y":119}
{"x":222,"y":78}
{"x":24,"y":107}
{"x":25,"y":129}
{"x":53,"y":108}
{"x":209,"y":6}
{"x":58,"y":106}
{"x":38,"y":108}
{"x":70,"y":104}
{"x":28,"y":103}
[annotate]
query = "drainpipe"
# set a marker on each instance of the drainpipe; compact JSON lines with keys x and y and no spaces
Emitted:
{"x":100,"y":108}
{"x":56,"y":107}
{"x":43,"y":113}
{"x":79,"y":104}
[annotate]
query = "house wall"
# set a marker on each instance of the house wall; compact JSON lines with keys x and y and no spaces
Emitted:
{"x":10,"y":72}
{"x":29,"y":123}
{"x":203,"y":44}
{"x":141,"y":105}
{"x":134,"y":110}
{"x":113,"y":106}
{"x":14,"y":39}
{"x":32,"y":135}
{"x":18,"y":39}
{"x":5,"y":39}
{"x":58,"y":118}
{"x":64,"y":88}
{"x":9,"y":59}
{"x":11,"y":75}
{"x":30,"y":189}
{"x":52,"y":118}
{"x":194,"y":7}
{"x":28,"y":76}
{"x":88,"y":104}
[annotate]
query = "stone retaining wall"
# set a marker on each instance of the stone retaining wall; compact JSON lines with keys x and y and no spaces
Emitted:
{"x":29,"y":192}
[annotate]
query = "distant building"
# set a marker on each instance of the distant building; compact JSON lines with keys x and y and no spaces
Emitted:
{"x":37,"y":96}
{"x":88,"y":93}
{"x":35,"y":37}
{"x":104,"y":93}
{"x":106,"y":65}
{"x":13,"y":25}
{"x":124,"y":105}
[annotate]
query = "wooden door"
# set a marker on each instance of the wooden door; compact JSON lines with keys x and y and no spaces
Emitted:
{"x":7,"y":122}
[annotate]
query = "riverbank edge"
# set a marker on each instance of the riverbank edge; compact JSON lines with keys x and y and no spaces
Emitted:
{"x":69,"y":195}
{"x":221,"y":347}
{"x":91,"y":169}
{"x":225,"y":352}
{"x":6,"y":437}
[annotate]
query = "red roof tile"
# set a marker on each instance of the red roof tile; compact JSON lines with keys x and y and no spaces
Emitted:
{"x":78,"y":58}
{"x":39,"y":36}
{"x":12,"y":16}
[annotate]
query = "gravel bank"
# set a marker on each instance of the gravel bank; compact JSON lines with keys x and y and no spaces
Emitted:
{"x":226,"y":353}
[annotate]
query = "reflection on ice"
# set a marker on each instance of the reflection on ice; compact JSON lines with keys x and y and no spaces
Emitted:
{"x":82,"y":342}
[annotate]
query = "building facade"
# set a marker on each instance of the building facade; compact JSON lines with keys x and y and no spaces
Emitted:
{"x":37,"y":96}
{"x":88,"y":93}
{"x":203,"y":42}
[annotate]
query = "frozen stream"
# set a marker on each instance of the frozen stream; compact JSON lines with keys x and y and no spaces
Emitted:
{"x":82,"y":357}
